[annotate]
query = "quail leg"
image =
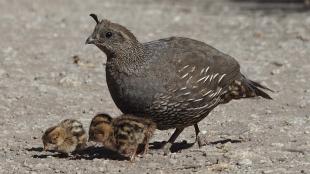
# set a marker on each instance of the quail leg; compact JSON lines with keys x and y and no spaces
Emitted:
{"x":174,"y":136}
{"x":200,"y":139}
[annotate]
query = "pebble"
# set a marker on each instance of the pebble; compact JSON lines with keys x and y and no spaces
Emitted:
{"x":101,"y":169}
{"x":268,"y":112}
{"x":173,"y":161}
{"x":302,"y":104}
{"x":70,"y":80}
{"x":2,"y":72}
{"x":245,"y":162}
{"x":277,"y":144}
{"x":275,"y":71}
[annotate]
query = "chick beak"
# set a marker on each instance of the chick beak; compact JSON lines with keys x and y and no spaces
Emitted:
{"x":90,"y":40}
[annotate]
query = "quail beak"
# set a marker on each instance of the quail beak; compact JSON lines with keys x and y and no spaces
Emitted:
{"x":90,"y":40}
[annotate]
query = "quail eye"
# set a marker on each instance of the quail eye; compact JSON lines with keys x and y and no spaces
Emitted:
{"x":108,"y":35}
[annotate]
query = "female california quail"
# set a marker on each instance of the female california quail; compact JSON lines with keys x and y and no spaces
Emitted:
{"x":176,"y":81}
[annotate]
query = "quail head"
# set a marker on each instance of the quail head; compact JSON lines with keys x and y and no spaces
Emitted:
{"x":123,"y":134}
{"x":176,"y":81}
{"x":66,"y":137}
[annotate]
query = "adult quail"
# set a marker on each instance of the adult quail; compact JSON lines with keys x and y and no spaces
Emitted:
{"x":176,"y":81}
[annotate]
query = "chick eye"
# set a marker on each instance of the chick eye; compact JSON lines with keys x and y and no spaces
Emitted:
{"x":108,"y":35}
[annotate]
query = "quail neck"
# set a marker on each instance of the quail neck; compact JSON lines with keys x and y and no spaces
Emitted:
{"x":124,"y":52}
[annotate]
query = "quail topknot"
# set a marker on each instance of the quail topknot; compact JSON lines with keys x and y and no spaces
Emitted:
{"x":176,"y":81}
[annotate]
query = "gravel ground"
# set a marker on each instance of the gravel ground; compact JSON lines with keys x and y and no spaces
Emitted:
{"x":40,"y":84}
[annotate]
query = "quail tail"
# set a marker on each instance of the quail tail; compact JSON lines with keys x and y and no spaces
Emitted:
{"x":245,"y":88}
{"x":253,"y":89}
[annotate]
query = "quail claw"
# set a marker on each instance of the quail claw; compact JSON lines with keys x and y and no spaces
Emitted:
{"x":166,"y":148}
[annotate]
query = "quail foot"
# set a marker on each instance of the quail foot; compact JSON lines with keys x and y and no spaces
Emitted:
{"x":66,"y":137}
{"x":176,"y":81}
{"x":123,"y":134}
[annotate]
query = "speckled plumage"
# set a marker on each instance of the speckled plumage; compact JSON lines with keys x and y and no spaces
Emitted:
{"x":176,"y":81}
{"x":123,"y":134}
{"x":66,"y":137}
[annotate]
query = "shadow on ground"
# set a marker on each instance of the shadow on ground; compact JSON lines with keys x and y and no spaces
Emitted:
{"x":89,"y":153}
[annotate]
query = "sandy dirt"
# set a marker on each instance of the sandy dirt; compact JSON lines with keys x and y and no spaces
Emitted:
{"x":41,"y":85}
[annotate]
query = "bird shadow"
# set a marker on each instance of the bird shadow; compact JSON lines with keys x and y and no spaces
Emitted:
{"x":93,"y":152}
{"x":88,"y":153}
{"x":178,"y":146}
{"x":35,"y":149}
{"x":224,"y":141}
{"x":40,"y":149}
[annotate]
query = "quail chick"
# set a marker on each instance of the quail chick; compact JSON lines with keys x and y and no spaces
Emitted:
{"x":66,"y":137}
{"x":176,"y":81}
{"x":123,"y":134}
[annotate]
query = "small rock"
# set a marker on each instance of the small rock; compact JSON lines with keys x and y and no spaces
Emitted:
{"x":76,"y":59}
{"x":41,"y":166}
{"x":245,"y":162}
{"x":277,"y":144}
{"x":101,"y":169}
{"x":267,"y":171}
{"x":70,"y":80}
{"x":173,"y":161}
{"x":276,"y":63}
{"x":302,"y":104}
{"x":2,"y":72}
{"x":268,"y":112}
{"x":275,"y":71}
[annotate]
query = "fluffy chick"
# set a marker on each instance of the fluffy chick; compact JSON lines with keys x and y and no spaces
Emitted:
{"x":66,"y":137}
{"x":123,"y":134}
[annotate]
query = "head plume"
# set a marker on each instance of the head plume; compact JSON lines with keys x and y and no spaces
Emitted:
{"x":94,"y":16}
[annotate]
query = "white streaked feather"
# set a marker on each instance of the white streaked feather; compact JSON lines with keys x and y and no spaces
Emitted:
{"x":207,"y":70}
{"x":183,"y":88}
{"x":183,"y":68}
{"x":211,"y":77}
{"x":201,"y":72}
{"x":206,"y":78}
{"x":222,"y":76}
{"x":197,"y":100}
{"x":200,"y":79}
{"x":193,"y":69}
{"x":215,"y":75}
{"x":185,"y":75}
{"x":189,"y":79}
{"x":207,"y":93}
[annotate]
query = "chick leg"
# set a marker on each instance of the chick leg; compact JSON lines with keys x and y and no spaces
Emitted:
{"x":146,"y":144}
{"x":171,"y":140}
{"x":133,"y":155}
{"x":200,"y":139}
